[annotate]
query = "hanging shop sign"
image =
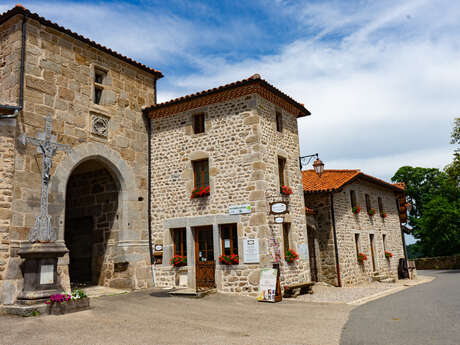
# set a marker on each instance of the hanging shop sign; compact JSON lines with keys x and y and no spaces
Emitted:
{"x":278,"y":207}
{"x":240,"y":209}
{"x":251,"y":251}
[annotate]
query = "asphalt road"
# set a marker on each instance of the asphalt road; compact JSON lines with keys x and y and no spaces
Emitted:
{"x":426,"y":314}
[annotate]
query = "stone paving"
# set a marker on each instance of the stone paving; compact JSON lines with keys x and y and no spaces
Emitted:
{"x":325,"y":293}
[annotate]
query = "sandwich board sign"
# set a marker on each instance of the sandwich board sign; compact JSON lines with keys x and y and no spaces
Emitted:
{"x":267,"y":285}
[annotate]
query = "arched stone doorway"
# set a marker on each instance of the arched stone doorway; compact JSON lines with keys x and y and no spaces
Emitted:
{"x":91,"y":222}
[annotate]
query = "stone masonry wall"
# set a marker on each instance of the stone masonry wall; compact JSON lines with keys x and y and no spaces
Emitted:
{"x":10,"y":52}
{"x":59,"y":83}
{"x":241,"y":148}
{"x":348,"y":224}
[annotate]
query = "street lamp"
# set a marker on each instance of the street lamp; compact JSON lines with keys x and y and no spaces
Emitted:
{"x":318,"y":165}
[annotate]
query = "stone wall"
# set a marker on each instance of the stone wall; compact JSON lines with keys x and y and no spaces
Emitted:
{"x":10,"y":52}
{"x":59,"y":82}
{"x":438,"y":263}
{"x":348,"y":224}
{"x":242,"y":145}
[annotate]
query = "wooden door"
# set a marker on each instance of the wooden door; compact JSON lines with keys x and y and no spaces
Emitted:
{"x":204,"y":258}
{"x":371,"y":239}
{"x":312,"y":255}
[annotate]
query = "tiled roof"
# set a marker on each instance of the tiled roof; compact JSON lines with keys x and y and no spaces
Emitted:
{"x":253,"y":84}
{"x":332,"y":180}
{"x":18,"y":9}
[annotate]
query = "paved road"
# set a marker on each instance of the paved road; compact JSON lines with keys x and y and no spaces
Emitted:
{"x":140,"y":318}
{"x":426,"y":314}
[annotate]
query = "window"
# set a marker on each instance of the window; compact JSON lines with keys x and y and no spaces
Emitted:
{"x":357,"y":243}
{"x":384,"y":239}
{"x":368,"y":202}
{"x":281,"y":171}
{"x":279,"y":122}
{"x":353,"y":198}
{"x":201,"y":173}
{"x":198,"y":123}
{"x":180,"y":241}
{"x":286,"y":229}
{"x":381,"y":210}
{"x":229,"y":235}
{"x":99,"y":79}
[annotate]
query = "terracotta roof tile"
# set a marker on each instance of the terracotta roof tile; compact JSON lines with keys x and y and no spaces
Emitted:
{"x":19,"y":9}
{"x":253,"y":84}
{"x":332,"y":180}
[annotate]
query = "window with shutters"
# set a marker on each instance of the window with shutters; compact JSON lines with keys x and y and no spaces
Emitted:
{"x":229,"y":236}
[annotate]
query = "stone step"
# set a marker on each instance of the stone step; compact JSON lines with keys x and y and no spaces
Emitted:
{"x":191,"y":293}
{"x":388,"y":280}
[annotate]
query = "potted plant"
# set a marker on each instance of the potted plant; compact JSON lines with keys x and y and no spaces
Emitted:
{"x":285,"y":190}
{"x":362,"y":257}
{"x":356,"y":209}
{"x":60,"y":304}
{"x":371,"y":212}
{"x":291,"y":256}
{"x":383,"y":214}
{"x":200,"y":192}
{"x":388,"y":254}
{"x":178,"y":260}
{"x":229,"y":259}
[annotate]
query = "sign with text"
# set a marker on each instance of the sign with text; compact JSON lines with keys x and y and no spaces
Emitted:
{"x":251,"y":251}
{"x":267,"y":285}
{"x":46,"y":274}
{"x":303,"y":251}
{"x":278,"y":207}
{"x":239,"y":209}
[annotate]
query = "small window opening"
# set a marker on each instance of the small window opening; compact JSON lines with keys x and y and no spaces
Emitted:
{"x":279,"y":121}
{"x":282,"y":171}
{"x":201,"y":173}
{"x":180,"y":241}
{"x":384,"y":239}
{"x":99,"y":76}
{"x":368,"y":202}
{"x":381,"y":210}
{"x":353,"y":198}
{"x":286,"y":230}
{"x":357,"y":244}
{"x":198,"y":123}
{"x":98,"y":94}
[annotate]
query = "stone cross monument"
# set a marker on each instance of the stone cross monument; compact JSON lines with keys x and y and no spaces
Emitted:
{"x":47,"y":146}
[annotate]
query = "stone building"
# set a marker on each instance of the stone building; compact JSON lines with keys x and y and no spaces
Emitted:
{"x":241,"y":141}
{"x":99,"y":192}
{"x":349,"y":212}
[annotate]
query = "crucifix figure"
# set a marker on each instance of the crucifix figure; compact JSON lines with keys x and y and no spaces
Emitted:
{"x":46,"y":146}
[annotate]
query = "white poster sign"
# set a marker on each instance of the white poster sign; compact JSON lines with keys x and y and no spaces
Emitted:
{"x":303,"y":251}
{"x":267,"y":285}
{"x":46,"y":274}
{"x":240,"y":209}
{"x":251,"y":251}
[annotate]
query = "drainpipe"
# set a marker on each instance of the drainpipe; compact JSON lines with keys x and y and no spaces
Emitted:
{"x":15,"y":109}
{"x":149,"y":184}
{"x":339,"y":283}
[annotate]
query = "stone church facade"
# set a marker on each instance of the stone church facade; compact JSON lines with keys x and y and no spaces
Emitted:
{"x":98,"y":193}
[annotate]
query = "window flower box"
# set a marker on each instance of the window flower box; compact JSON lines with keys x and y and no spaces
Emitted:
{"x":178,"y":261}
{"x":61,"y":304}
{"x":291,"y":256}
{"x":200,"y":192}
{"x":383,"y":214}
{"x":285,"y":190}
{"x":362,"y":257}
{"x":388,"y":254}
{"x":356,"y":209}
{"x":229,"y":259}
{"x":371,"y":212}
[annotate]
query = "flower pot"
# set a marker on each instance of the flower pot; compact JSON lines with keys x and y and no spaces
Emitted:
{"x":70,"y":306}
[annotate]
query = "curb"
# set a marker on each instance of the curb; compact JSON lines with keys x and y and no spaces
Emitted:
{"x":391,"y":291}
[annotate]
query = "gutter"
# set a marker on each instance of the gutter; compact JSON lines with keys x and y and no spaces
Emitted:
{"x":12,"y":111}
{"x":339,"y":282}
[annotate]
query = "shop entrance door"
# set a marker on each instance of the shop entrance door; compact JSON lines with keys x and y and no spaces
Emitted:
{"x":204,"y":258}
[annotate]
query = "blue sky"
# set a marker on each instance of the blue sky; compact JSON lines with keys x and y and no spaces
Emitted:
{"x":381,"y":78}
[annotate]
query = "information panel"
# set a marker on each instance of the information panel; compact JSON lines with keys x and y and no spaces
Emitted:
{"x":46,"y":274}
{"x":251,"y":251}
{"x":267,"y":285}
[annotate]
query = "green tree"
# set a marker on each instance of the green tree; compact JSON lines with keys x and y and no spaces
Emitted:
{"x":453,"y":169}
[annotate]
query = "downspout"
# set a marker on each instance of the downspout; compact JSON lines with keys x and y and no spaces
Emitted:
{"x":149,"y":184}
{"x":20,"y":105}
{"x":339,"y":282}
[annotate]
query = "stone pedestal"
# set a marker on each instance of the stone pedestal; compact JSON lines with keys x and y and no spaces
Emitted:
{"x":40,"y":276}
